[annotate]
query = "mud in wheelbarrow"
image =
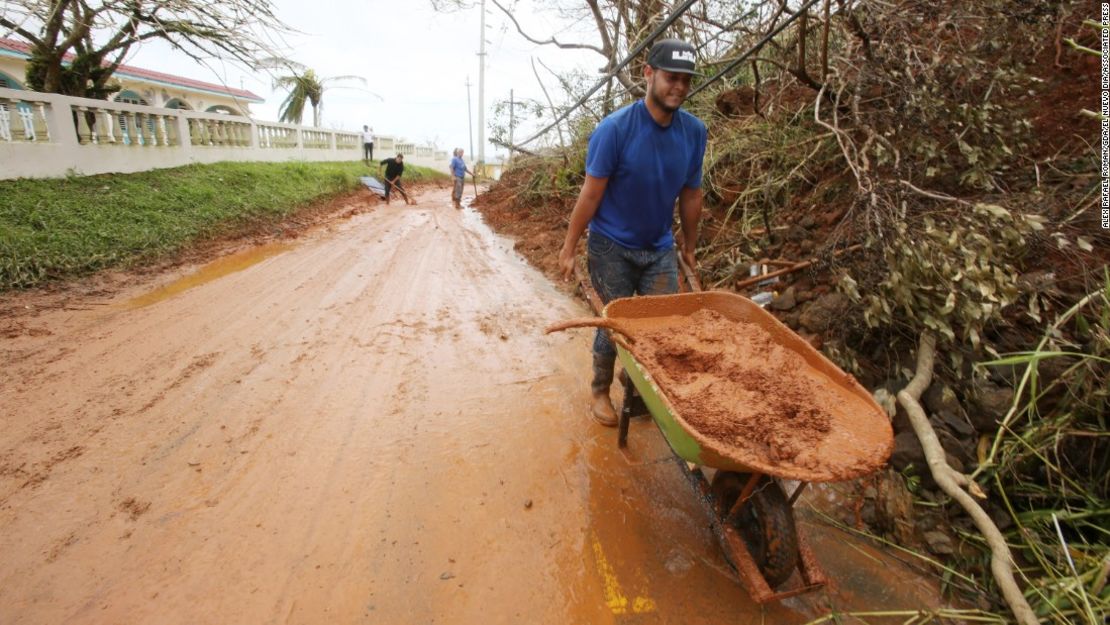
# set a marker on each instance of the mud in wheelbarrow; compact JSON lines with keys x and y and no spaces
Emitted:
{"x":751,"y":515}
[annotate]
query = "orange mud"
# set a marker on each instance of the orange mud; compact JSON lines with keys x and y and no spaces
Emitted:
{"x":367,"y":427}
{"x":755,"y":398}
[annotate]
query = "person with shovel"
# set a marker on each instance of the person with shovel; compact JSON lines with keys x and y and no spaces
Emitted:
{"x":458,"y":172}
{"x":639,"y":161}
{"x":394,"y":167}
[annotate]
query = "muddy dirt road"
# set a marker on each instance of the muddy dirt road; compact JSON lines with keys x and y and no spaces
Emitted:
{"x":364,"y":426}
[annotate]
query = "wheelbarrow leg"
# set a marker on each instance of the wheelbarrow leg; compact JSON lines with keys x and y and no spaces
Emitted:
{"x":632,"y":406}
{"x":625,"y":417}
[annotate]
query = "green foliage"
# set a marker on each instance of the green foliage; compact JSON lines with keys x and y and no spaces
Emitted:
{"x":58,"y":228}
{"x":952,"y":272}
{"x":1051,"y":469}
{"x":99,"y":36}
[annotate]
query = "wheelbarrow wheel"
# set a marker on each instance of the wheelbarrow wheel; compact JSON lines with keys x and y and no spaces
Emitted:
{"x":765,"y":523}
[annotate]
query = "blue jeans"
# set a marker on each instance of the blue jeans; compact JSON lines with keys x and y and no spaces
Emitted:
{"x":615,"y":272}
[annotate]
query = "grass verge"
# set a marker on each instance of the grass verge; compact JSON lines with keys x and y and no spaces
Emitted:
{"x":61,"y":228}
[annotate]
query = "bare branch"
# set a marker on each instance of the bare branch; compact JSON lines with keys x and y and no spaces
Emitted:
{"x":551,"y":41}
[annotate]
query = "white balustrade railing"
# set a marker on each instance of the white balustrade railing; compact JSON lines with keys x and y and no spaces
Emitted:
{"x":344,"y":140}
{"x":23,"y":119}
{"x":317,"y":139}
{"x":46,"y":135}
{"x":277,"y":136}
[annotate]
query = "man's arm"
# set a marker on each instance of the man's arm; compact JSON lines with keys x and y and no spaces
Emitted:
{"x":689,"y":214}
{"x":584,"y":210}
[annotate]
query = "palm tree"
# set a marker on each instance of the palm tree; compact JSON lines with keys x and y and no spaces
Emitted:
{"x":305,"y":87}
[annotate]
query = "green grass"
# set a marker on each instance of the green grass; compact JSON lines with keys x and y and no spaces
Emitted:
{"x":61,"y":228}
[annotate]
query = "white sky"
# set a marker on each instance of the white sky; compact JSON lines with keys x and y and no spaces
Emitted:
{"x":416,"y":59}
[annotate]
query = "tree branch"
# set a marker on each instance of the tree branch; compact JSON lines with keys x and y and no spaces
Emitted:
{"x":19,"y":30}
{"x":551,"y":41}
{"x":950,"y":481}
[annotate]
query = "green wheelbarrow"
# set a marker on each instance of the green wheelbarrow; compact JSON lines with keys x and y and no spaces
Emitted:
{"x":750,"y":513}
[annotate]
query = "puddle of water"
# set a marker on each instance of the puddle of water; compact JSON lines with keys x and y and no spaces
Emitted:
{"x":208,"y":273}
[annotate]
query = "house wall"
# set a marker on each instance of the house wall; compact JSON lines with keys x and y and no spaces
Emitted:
{"x":13,"y":67}
{"x":155,"y":93}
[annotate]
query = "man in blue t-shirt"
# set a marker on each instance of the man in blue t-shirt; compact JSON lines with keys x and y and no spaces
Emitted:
{"x":640,"y":159}
{"x":458,"y":173}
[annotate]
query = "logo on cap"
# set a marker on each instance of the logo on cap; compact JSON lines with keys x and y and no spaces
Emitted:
{"x":683,"y":55}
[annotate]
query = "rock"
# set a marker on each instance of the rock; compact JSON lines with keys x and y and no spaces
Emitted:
{"x":824,"y":312}
{"x":901,"y":420}
{"x":958,"y":422}
{"x":964,"y":450}
{"x":928,"y":522}
{"x":1037,"y":281}
{"x":784,"y":301}
{"x":527,"y":504}
{"x":446,"y":575}
{"x":894,"y":509}
{"x":954,"y":462}
{"x":939,"y":397}
{"x":999,"y":515}
{"x":868,"y":513}
{"x":739,"y":102}
{"x":991,"y":403}
{"x":808,"y":221}
{"x":939,"y":543}
{"x":790,"y":319}
{"x":887,"y":401}
{"x":814,"y":340}
{"x":907,"y":451}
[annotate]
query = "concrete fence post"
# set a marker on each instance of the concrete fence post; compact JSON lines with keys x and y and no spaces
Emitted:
{"x":59,"y":119}
{"x":183,"y":137}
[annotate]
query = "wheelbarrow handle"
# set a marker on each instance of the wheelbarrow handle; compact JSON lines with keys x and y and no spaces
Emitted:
{"x":613,"y":325}
{"x":689,"y":273}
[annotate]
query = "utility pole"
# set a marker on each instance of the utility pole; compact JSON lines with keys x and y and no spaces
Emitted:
{"x":512,"y":105}
{"x":482,"y":91}
{"x":469,"y":118}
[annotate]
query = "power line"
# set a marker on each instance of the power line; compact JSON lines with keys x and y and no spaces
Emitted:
{"x":752,"y":50}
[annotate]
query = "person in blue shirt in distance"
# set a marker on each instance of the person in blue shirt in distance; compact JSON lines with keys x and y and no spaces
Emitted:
{"x":458,"y":173}
{"x":640,"y":160}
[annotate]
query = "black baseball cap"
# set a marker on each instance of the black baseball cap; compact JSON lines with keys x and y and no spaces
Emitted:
{"x":672,"y":55}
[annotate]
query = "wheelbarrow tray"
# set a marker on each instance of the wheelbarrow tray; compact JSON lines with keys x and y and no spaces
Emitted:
{"x":859,"y":441}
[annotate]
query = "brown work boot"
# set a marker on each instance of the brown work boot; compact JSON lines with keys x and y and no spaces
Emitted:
{"x":601,"y":409}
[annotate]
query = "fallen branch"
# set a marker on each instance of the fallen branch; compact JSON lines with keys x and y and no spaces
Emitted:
{"x":952,"y":482}
{"x":791,"y":269}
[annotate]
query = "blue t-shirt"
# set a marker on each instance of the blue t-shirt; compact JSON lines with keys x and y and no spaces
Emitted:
{"x":647,"y":165}
{"x":458,"y":167}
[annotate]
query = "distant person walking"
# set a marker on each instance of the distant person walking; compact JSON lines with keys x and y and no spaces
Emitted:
{"x":394,"y":167}
{"x":458,"y":172}
{"x":367,"y":144}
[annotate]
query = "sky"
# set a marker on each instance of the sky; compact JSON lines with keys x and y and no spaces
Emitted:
{"x":415,"y":60}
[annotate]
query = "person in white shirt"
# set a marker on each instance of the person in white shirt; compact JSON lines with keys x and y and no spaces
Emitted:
{"x":367,"y":144}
